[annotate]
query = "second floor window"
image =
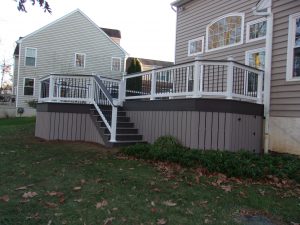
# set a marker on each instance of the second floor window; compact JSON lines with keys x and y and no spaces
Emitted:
{"x":79,"y":60}
{"x":116,"y":64}
{"x":225,"y":32}
{"x":256,"y":30}
{"x":196,"y":46}
{"x":30,"y":56}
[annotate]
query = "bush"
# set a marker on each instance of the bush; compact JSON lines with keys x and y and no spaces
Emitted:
{"x":240,"y":164}
{"x":32,"y":103}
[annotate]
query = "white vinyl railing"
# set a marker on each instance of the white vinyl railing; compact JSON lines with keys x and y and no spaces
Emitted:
{"x":201,"y":78}
{"x":83,"y":90}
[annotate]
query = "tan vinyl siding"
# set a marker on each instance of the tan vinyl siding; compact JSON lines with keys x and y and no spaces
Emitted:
{"x":15,"y":76}
{"x":196,"y":15}
{"x":285,"y":95}
{"x":56,"y":47}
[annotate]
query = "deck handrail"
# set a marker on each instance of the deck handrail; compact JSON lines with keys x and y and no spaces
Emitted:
{"x":211,"y":78}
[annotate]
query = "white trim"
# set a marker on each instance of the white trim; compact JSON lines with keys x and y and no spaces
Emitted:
{"x":84,"y":62}
{"x":24,"y":85}
{"x":257,"y":50}
{"x":26,"y":56}
{"x":290,"y":49}
{"x":18,"y":80}
{"x":227,"y":46}
{"x":248,"y":40}
{"x":202,"y":46}
{"x":111,"y":64}
{"x":69,"y":14}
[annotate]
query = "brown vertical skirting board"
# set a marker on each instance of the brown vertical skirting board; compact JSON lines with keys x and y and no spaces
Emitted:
{"x":188,"y":129}
{"x":69,"y":129}
{"x":179,"y":125}
{"x":221,"y":131}
{"x":183,"y":128}
{"x":201,"y":139}
{"x":56,"y":125}
{"x":65,"y":132}
{"x":215,"y":130}
{"x":74,"y":126}
{"x":61,"y":126}
{"x":228,"y":131}
{"x":194,"y":129}
{"x":171,"y":125}
{"x":208,"y":130}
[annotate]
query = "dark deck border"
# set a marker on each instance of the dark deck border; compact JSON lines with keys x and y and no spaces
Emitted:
{"x":196,"y":104}
{"x":63,"y":107}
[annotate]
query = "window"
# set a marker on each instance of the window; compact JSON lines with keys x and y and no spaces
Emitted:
{"x":196,"y":46}
{"x":255,"y":58}
{"x":256,"y":30}
{"x":30,"y":56}
{"x":293,"y":56}
{"x":28,"y":86}
{"x":225,"y":32}
{"x":116,"y":64}
{"x":79,"y":60}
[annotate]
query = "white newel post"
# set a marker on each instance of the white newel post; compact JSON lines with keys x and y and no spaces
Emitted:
{"x":260,"y":87}
{"x":114,"y":114}
{"x":198,"y":78}
{"x":229,"y":77}
{"x":122,"y":91}
{"x":92,"y":90}
{"x":40,"y":91}
{"x":51,"y":88}
{"x":153,"y":85}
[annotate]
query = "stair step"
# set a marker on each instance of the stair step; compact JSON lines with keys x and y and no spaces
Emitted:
{"x":119,"y":118}
{"x":119,"y":124}
{"x":126,"y":143}
{"x":127,"y":137}
{"x":122,"y":130}
{"x":108,"y":112}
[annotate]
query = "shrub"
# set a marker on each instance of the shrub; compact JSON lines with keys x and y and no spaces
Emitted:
{"x":239,"y":164}
{"x":32,"y":103}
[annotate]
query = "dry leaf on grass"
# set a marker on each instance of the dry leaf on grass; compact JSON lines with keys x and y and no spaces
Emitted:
{"x":78,"y":200}
{"x":169,"y":203}
{"x":161,"y":221}
{"x":77,"y":188}
{"x":4,"y":198}
{"x":226,"y":188}
{"x":29,"y":194}
{"x":51,"y":204}
{"x":101,"y":204}
{"x":54,"y":193}
{"x":108,"y":220}
{"x":21,"y":188}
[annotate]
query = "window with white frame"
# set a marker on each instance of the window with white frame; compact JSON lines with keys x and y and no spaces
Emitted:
{"x":30,"y":56}
{"x":293,"y":56}
{"x":116,"y":64}
{"x":196,"y":46}
{"x":28,"y":86}
{"x":79,"y":60}
{"x":225,"y":31}
{"x":256,"y":30}
{"x":255,"y":58}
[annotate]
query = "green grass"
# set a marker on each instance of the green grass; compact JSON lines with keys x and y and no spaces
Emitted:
{"x":136,"y":191}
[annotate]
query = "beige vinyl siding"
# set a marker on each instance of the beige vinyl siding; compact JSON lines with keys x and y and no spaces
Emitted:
{"x":56,"y":47}
{"x":285,"y":95}
{"x":15,"y":76}
{"x":196,"y":15}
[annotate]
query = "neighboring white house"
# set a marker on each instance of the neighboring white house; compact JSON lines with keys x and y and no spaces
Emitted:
{"x":73,"y":44}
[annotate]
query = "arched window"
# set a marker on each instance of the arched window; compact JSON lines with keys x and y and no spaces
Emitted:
{"x":225,"y":31}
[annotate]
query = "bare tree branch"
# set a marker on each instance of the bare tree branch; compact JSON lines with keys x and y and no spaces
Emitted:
{"x":44,"y":4}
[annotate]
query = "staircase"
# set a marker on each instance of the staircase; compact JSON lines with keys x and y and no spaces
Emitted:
{"x":126,"y":133}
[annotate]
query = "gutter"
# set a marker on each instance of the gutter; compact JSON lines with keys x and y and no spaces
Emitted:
{"x":268,"y":70}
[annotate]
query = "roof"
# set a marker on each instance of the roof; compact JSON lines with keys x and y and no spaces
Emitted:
{"x":108,"y":32}
{"x":179,"y":2}
{"x":155,"y":62}
{"x":112,"y":32}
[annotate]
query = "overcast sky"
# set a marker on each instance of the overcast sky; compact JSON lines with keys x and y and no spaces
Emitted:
{"x":147,"y":26}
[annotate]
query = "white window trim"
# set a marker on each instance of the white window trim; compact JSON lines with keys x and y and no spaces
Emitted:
{"x":248,"y":40}
{"x":247,"y":53}
{"x":34,"y":56}
{"x":111,"y":64}
{"x":290,"y":48}
{"x":227,"y":46}
{"x":84,"y":63}
{"x":196,"y":39}
{"x":24,"y":85}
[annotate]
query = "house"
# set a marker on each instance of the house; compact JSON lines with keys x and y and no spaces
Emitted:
{"x":73,"y":44}
{"x":264,"y":34}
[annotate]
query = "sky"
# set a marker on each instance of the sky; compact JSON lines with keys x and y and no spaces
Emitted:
{"x":147,"y":26}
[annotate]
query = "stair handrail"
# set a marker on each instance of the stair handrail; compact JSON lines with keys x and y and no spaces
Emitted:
{"x":113,"y":126}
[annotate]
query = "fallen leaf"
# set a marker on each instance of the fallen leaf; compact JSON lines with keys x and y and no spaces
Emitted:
{"x":154,"y":210}
{"x":82,"y":181}
{"x":29,"y":194}
{"x":261,"y":192}
{"x":161,"y":221}
{"x":54,"y":193}
{"x":156,"y":190}
{"x":21,"y":188}
{"x":169,"y":203}
{"x":78,"y":200}
{"x":108,"y":220}
{"x":295,"y":223}
{"x":77,"y":188}
{"x":5,"y":198}
{"x":203,"y":202}
{"x":226,"y":188}
{"x":62,"y":200}
{"x":101,"y":204}
{"x":206,"y":221}
{"x":51,"y":204}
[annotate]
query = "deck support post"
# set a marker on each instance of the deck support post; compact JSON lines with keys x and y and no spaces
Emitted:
{"x":229,"y":78}
{"x":198,"y":78}
{"x":153,"y":85}
{"x":113,"y":132}
{"x":51,"y":88}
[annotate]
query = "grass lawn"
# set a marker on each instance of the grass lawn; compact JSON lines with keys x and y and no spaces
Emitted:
{"x":79,"y":183}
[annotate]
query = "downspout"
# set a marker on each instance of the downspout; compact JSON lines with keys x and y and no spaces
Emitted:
{"x":268,"y":71}
{"x":18,"y":80}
